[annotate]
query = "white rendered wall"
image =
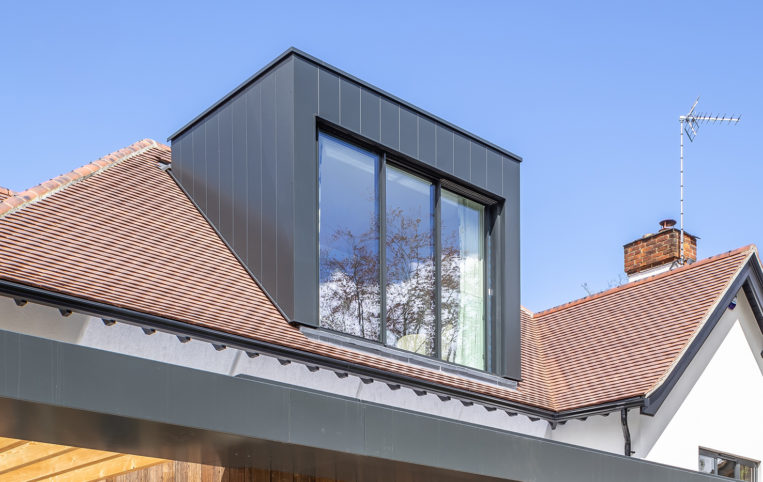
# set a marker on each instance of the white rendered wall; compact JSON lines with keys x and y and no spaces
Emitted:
{"x":716,"y":404}
{"x":722,"y":410}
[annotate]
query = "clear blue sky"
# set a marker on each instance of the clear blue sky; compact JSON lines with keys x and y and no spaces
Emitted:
{"x":588,"y":93}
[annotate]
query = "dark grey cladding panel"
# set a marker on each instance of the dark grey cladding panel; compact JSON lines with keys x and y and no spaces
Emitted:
{"x":197,"y":159}
{"x":328,"y":88}
{"x":306,"y":95}
{"x":461,"y":159}
{"x":398,"y":127}
{"x":284,"y":97}
{"x":445,"y":154}
{"x":370,"y":115}
{"x":511,"y":271}
{"x":212,"y":160}
{"x":390,"y":124}
{"x":349,"y":102}
{"x":409,"y":133}
{"x":253,"y":98}
{"x":225,"y":138}
{"x":237,"y":164}
{"x":269,"y":274}
{"x":427,"y":141}
{"x":494,"y":172}
{"x":478,"y":165}
{"x":183,"y":170}
{"x":240,"y":175}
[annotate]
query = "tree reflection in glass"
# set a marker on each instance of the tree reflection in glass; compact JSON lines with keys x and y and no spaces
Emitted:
{"x":410,"y":272}
{"x":463,"y":273}
{"x":349,"y":239}
{"x":350,"y":293}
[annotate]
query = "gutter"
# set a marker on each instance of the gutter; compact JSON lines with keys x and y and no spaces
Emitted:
{"x":22,"y":293}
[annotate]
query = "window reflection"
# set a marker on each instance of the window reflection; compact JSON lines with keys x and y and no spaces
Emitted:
{"x":410,"y":271}
{"x":727,"y":465}
{"x":351,"y":262}
{"x":349,"y":239}
{"x":463,"y":273}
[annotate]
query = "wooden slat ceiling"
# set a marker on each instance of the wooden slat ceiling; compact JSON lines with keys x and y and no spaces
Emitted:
{"x":22,"y":460}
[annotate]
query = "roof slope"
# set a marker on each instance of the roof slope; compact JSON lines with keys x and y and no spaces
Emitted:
{"x":126,"y":235}
{"x":621,"y":343}
{"x":121,"y":232}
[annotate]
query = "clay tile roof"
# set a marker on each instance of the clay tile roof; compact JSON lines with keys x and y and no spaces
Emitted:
{"x":121,"y":232}
{"x":622,"y":342}
{"x":5,"y":193}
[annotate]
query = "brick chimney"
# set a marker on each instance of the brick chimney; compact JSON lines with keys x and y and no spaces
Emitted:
{"x":655,"y":253}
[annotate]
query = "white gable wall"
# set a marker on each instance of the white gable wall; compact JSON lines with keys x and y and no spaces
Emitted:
{"x":721,"y":409}
{"x":716,"y":404}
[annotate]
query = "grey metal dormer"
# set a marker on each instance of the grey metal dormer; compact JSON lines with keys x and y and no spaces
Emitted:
{"x":253,"y":164}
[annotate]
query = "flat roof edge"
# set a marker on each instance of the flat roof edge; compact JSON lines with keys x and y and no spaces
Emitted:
{"x":293,"y":51}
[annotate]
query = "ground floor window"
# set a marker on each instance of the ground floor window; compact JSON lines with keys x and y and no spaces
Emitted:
{"x":727,"y":465}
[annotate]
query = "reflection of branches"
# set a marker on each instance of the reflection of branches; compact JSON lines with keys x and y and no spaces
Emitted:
{"x":410,"y":279}
{"x":350,"y":295}
{"x":349,"y":288}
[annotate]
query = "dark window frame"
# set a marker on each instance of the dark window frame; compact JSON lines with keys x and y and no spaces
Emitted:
{"x":716,"y":454}
{"x":492,"y":206}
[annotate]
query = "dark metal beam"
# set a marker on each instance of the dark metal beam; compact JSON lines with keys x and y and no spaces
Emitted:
{"x":68,"y":394}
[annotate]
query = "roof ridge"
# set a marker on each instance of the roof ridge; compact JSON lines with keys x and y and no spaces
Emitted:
{"x":41,"y":191}
{"x":6,"y":191}
{"x":648,"y":279}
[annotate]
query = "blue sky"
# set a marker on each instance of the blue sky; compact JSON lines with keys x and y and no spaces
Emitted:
{"x":589,"y":93}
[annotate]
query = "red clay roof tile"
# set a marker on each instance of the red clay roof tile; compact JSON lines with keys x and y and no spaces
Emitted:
{"x":5,"y":193}
{"x":121,"y":232}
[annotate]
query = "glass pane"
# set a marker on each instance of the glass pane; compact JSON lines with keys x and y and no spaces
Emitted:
{"x":706,"y":464}
{"x":746,"y":473}
{"x":463,"y":275}
{"x":349,"y":239}
{"x":410,"y":262}
{"x":726,"y":467}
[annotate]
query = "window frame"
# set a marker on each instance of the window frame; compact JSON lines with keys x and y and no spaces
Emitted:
{"x":716,"y":454}
{"x":386,"y":156}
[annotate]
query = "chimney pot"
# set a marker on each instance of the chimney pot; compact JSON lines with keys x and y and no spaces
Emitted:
{"x":667,"y":224}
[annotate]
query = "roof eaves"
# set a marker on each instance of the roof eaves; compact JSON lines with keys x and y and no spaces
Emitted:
{"x":57,"y":184}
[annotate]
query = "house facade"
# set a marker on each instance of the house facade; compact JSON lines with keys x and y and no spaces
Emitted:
{"x":319,"y":280}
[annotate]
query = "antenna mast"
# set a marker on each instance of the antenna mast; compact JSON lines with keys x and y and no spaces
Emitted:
{"x":690,"y":124}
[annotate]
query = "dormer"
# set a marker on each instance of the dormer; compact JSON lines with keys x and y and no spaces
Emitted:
{"x":361,"y":215}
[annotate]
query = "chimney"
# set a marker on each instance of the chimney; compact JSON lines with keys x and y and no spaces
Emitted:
{"x":655,"y":253}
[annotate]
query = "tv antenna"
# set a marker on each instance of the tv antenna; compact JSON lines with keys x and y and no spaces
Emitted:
{"x":690,"y":124}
